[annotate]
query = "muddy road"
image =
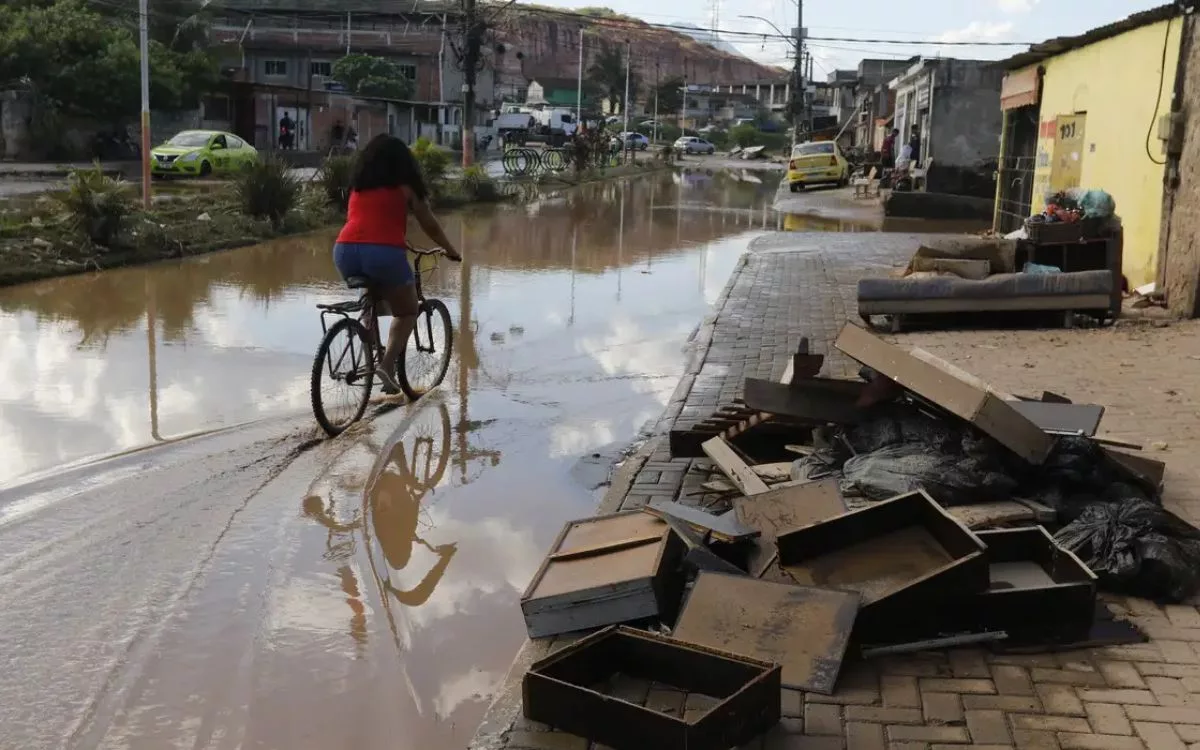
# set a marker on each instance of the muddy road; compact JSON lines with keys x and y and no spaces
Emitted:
{"x":185,"y":563}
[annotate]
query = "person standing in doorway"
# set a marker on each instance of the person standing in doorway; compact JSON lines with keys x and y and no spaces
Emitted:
{"x":287,"y":131}
{"x":915,"y":142}
{"x":888,"y":150}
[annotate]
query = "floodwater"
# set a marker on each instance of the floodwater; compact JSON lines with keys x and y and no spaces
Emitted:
{"x":251,"y":586}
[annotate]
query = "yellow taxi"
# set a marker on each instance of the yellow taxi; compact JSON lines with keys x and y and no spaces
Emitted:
{"x":817,"y":163}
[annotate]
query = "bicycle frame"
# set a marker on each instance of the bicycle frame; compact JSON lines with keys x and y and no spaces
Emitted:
{"x":368,"y":306}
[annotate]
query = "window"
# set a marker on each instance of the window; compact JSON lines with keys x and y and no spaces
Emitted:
{"x":322,"y":68}
{"x":275,"y":67}
{"x":234,"y":142}
{"x":408,"y":71}
{"x":811,"y":149}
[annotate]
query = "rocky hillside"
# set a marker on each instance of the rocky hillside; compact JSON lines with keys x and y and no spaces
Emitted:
{"x":545,"y":43}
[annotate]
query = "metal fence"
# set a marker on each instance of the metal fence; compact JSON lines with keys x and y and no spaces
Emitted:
{"x":1015,"y":202}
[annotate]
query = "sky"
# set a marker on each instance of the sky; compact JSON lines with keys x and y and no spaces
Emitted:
{"x":1027,"y":21}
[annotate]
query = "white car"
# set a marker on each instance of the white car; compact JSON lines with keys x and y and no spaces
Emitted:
{"x":635,"y":141}
{"x":690,"y":144}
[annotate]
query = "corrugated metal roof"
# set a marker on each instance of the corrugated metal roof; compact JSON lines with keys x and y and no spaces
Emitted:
{"x":1059,"y":45}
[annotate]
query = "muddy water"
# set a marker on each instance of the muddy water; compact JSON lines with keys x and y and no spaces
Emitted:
{"x":248,"y":588}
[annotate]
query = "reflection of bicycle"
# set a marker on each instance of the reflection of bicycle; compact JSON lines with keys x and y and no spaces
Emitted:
{"x":351,"y":351}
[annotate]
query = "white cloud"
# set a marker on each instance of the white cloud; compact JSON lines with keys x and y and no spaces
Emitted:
{"x":1016,"y":6}
{"x":978,"y":31}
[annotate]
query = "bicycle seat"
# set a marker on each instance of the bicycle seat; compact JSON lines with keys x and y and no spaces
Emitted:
{"x":358,"y":282}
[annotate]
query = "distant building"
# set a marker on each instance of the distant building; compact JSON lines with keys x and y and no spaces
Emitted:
{"x":875,"y":102}
{"x":552,"y":92}
{"x":955,"y":107}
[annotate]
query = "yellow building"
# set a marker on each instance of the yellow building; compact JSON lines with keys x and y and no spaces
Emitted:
{"x":1084,"y":112}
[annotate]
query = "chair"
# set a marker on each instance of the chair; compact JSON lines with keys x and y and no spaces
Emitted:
{"x":919,"y":176}
{"x":865,"y":187}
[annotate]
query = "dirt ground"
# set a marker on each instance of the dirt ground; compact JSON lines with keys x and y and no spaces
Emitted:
{"x":1145,"y":375}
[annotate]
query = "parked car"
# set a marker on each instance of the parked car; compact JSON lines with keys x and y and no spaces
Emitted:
{"x":690,"y":144}
{"x":817,"y":163}
{"x":635,"y":141}
{"x":200,"y":153}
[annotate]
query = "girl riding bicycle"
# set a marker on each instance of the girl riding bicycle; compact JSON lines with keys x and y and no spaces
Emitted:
{"x":385,"y":189}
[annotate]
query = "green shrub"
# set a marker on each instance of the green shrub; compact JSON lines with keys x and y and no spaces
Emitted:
{"x":478,"y":185}
{"x":97,"y":204}
{"x":335,"y":177}
{"x":267,"y":190}
{"x":433,"y":161}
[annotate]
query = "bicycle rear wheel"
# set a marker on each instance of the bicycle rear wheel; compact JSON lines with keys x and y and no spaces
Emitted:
{"x":343,"y":373}
{"x":426,"y":356}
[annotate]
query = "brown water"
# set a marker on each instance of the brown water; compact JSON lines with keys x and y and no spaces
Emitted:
{"x":229,"y":591}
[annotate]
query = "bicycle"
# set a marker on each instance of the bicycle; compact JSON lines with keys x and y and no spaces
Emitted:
{"x":352,"y":365}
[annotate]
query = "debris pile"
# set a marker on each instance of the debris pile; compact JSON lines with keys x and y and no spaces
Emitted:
{"x":909,"y":510}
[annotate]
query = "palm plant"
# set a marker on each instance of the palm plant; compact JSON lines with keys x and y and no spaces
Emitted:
{"x":608,"y":72}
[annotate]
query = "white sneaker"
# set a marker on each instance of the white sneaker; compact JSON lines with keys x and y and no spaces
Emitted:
{"x":390,"y":386}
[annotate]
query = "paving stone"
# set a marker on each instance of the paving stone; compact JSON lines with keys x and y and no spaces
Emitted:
{"x":1011,"y":679}
{"x":1107,"y":719}
{"x":1041,"y":723}
{"x":825,"y":719}
{"x":1159,"y":736}
{"x":1121,"y":674}
{"x":976,"y":687}
{"x":1178,"y":652}
{"x":546,"y":741}
{"x":1009,"y":703}
{"x":928,"y":734}
{"x":1059,"y":699}
{"x":884,"y":715}
{"x":864,"y":736}
{"x":1068,"y":741}
{"x":1141,"y":697}
{"x":968,"y":663}
{"x":899,"y":691}
{"x":1067,"y":677}
{"x":987,"y":727}
{"x":1163,"y":714}
{"x":1169,"y":691}
{"x":1030,"y":740}
{"x":943,"y":708}
{"x":792,"y":703}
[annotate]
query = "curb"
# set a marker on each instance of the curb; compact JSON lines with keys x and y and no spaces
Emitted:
{"x":505,"y":709}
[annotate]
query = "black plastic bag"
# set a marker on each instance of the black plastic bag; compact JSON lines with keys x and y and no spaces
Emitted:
{"x":956,"y":478}
{"x":1137,"y":547}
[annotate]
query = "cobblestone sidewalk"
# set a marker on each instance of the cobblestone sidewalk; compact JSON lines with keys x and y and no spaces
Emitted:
{"x":1144,"y":697}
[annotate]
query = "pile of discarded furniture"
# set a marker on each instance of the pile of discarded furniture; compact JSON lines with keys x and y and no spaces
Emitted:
{"x":994,"y":277}
{"x":910,"y":510}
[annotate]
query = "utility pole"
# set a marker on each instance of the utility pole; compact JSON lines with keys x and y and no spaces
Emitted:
{"x":799,"y":99}
{"x":625,"y":101}
{"x":683,"y":103}
{"x":579,"y":85}
{"x":144,"y":44}
{"x":657,"y":70}
{"x":474,"y":42}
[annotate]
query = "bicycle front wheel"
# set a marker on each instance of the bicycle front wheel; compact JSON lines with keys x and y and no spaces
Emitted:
{"x":427,"y":354}
{"x":343,"y":373}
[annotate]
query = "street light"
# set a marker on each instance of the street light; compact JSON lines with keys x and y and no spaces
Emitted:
{"x":768,"y":22}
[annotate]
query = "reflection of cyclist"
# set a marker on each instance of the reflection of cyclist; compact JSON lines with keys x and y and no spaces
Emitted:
{"x":394,"y":499}
{"x":314,"y":508}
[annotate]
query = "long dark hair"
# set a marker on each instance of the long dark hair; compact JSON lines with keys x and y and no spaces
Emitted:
{"x":387,"y":162}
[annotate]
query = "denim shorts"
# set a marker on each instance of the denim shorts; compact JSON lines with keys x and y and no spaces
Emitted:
{"x":385,"y":265}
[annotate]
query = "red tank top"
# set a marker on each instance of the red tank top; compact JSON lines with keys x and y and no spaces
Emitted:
{"x":377,"y":217}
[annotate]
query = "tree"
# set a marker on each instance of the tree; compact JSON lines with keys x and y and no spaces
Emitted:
{"x":77,"y":61}
{"x":367,"y":75}
{"x":608,"y":73}
{"x":670,"y":94}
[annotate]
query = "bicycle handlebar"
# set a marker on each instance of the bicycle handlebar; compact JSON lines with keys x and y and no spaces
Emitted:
{"x":433,"y":251}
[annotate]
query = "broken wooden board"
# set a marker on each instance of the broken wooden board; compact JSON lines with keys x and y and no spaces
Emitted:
{"x":570,"y":592}
{"x":726,"y":527}
{"x":964,"y":397}
{"x":991,"y":515}
{"x":1083,"y":419}
{"x":560,"y":690}
{"x":804,"y":629}
{"x":783,"y":509}
{"x":699,"y":556}
{"x":810,"y":400}
{"x":733,"y":467}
